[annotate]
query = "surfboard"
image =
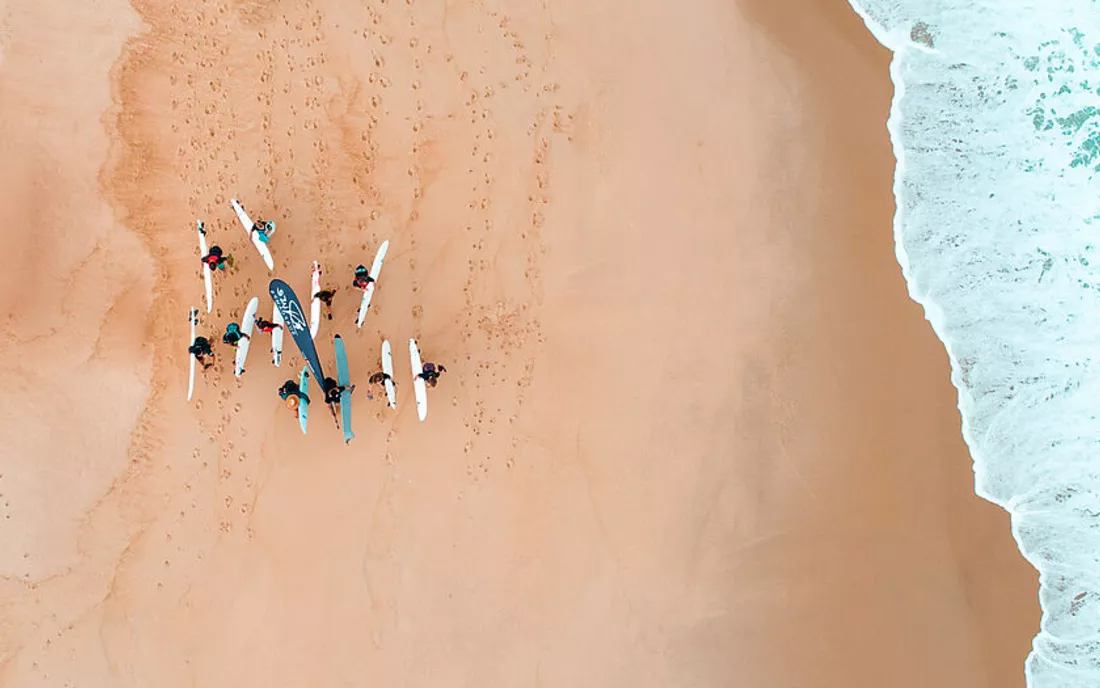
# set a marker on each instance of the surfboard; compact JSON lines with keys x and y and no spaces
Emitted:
{"x":265,"y":253}
{"x":368,"y":293}
{"x":277,"y":336}
{"x":247,"y":323}
{"x":193,"y":318}
{"x":205,"y":268}
{"x":387,"y":368}
{"x":343,"y":379}
{"x":419,"y":386}
{"x":315,"y":303}
{"x":303,"y":405}
{"x":291,"y":308}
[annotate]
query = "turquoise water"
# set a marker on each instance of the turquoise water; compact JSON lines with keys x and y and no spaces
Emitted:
{"x":996,"y":128}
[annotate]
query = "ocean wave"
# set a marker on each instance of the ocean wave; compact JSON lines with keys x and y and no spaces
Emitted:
{"x":996,"y":128}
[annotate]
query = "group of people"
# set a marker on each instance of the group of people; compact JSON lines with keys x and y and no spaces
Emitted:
{"x":215,"y":258}
{"x":292,"y":394}
{"x":290,"y":391}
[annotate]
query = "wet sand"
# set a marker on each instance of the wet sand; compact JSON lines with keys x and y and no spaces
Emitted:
{"x":693,"y":432}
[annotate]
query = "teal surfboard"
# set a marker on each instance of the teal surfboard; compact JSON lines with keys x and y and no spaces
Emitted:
{"x":344,"y":380}
{"x":303,"y":405}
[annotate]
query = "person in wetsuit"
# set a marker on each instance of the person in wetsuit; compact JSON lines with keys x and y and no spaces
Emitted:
{"x":267,"y":326}
{"x":201,"y":349}
{"x":326,"y":298}
{"x":430,"y":373}
{"x":214,"y":259}
{"x":233,"y":335}
{"x":290,"y":388}
{"x":362,"y":278}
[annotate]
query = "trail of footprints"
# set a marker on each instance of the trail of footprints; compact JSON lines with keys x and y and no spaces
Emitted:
{"x":293,"y":90}
{"x":218,"y":148}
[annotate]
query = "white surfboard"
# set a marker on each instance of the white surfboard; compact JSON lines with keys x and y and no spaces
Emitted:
{"x":205,"y":268}
{"x":315,"y":303}
{"x":265,"y":253}
{"x":375,"y":268}
{"x":387,"y":368}
{"x":419,"y":386}
{"x":247,"y":323}
{"x":193,"y":317}
{"x":277,"y":336}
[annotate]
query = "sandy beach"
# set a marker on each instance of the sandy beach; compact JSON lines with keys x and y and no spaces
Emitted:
{"x":693,"y":431}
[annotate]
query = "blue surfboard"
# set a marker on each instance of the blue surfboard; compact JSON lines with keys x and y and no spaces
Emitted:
{"x":303,"y":405}
{"x":344,"y":380}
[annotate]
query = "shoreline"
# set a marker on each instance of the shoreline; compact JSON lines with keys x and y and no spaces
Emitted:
{"x":693,"y":428}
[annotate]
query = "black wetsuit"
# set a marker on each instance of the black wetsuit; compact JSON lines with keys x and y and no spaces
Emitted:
{"x":201,"y":347}
{"x":431,"y":373}
{"x":332,"y":391}
{"x":291,"y":388}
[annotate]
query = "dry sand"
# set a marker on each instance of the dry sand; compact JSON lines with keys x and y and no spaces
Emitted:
{"x":693,"y":432}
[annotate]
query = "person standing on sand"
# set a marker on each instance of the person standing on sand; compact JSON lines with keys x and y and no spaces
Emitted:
{"x":290,"y":389}
{"x":333,"y":390}
{"x":266,"y":326}
{"x":263,"y":230}
{"x":362,"y":278}
{"x":379,"y":379}
{"x":326,"y":298}
{"x":430,"y":373}
{"x":215,"y":259}
{"x":201,"y":349}
{"x":233,"y":335}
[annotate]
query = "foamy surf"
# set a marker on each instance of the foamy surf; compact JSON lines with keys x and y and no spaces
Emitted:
{"x":996,"y":127}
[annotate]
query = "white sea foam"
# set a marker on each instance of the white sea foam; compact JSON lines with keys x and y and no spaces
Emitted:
{"x":996,"y":128}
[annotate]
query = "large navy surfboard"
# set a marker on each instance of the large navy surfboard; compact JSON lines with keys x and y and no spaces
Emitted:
{"x":296,"y":323}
